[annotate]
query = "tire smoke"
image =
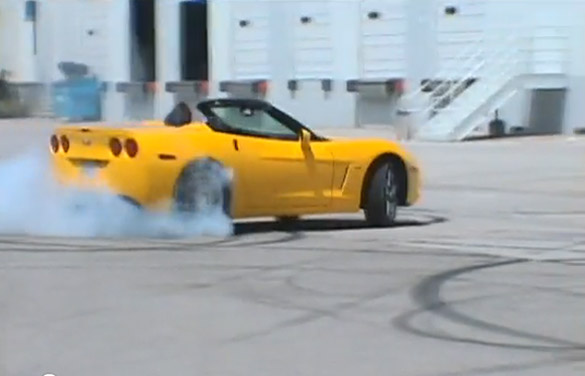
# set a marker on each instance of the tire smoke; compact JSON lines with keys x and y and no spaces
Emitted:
{"x":31,"y":203}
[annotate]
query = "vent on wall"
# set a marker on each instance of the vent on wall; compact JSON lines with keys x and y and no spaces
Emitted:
{"x":451,"y":10}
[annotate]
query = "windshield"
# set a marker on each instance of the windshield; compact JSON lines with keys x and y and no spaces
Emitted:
{"x":252,"y":117}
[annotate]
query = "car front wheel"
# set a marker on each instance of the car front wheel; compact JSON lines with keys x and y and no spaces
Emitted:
{"x":382,"y":196}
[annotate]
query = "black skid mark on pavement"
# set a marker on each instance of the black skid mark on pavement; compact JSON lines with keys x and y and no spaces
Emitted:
{"x":427,"y":296}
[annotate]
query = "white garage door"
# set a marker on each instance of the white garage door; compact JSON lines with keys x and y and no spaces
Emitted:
{"x":312,"y":41}
{"x":80,"y":32}
{"x":383,"y":37}
{"x":250,"y":39}
{"x":460,"y":35}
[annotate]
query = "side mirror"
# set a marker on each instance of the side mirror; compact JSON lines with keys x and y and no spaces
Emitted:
{"x":305,"y":137}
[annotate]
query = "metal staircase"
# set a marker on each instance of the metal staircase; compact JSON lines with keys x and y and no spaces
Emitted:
{"x":498,"y":68}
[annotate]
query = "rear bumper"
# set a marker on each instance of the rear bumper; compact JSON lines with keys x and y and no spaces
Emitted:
{"x":118,"y":178}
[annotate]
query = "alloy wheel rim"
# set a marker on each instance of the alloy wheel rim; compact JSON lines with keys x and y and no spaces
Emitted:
{"x":206,"y":196}
{"x":390,"y":193}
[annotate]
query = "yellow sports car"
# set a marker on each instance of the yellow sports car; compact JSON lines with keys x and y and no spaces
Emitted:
{"x":247,"y":157}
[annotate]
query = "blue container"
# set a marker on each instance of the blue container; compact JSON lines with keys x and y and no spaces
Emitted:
{"x":78,"y":99}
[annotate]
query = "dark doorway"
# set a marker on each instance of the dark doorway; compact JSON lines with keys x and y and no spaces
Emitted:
{"x":547,"y":111}
{"x":194,"y":54}
{"x":143,"y":40}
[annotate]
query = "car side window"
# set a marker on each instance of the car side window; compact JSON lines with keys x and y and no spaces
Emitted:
{"x":254,"y":122}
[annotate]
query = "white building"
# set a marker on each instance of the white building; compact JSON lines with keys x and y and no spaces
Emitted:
{"x":331,"y":63}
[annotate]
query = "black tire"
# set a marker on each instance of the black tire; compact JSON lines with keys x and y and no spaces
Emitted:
{"x":202,"y":188}
{"x":382,"y":196}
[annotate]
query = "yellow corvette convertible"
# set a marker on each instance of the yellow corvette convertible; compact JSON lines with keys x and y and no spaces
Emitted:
{"x":247,"y":157}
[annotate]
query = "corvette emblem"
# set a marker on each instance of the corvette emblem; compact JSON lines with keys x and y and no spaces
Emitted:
{"x":86,"y":142}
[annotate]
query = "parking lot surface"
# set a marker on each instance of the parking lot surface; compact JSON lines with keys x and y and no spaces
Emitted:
{"x":483,"y":277}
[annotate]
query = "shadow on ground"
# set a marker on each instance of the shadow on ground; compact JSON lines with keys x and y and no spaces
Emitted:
{"x":315,"y":225}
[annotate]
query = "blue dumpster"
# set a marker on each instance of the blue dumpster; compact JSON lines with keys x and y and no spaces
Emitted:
{"x":78,"y":99}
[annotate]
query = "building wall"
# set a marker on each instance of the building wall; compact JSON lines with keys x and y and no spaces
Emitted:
{"x":409,"y":39}
{"x":337,"y":41}
{"x":92,"y":32}
{"x":64,"y":30}
{"x":553,"y":31}
{"x":414,"y":40}
{"x":16,"y":36}
{"x":8,"y":21}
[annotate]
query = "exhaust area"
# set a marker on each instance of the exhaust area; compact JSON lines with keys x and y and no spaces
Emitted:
{"x":31,"y":203}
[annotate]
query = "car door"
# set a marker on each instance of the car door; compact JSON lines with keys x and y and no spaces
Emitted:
{"x":276,"y":171}
{"x":283,"y":175}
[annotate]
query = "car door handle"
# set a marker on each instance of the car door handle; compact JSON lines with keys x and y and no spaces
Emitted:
{"x":236,"y":146}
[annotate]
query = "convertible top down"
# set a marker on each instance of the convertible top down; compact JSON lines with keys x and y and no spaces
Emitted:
{"x":247,"y":157}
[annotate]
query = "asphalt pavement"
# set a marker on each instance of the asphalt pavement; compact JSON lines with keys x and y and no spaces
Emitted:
{"x":483,"y":277}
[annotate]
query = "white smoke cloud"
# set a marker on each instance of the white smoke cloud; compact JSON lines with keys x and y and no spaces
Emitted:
{"x":32,"y":204}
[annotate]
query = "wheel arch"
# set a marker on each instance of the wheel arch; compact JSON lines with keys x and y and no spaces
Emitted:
{"x":190,"y":163}
{"x":400,"y":169}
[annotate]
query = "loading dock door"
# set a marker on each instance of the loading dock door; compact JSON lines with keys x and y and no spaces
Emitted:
{"x":82,"y":39}
{"x":312,"y":43}
{"x":250,"y":39}
{"x":547,"y":111}
{"x":383,"y":33}
{"x":194,"y":54}
{"x":143,"y":40}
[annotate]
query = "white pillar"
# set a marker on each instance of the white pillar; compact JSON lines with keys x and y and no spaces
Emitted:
{"x":119,"y":58}
{"x":219,"y":33}
{"x":16,"y":39}
{"x":168,"y":64}
{"x":26,"y":55}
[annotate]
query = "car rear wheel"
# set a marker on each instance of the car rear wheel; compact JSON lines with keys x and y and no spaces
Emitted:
{"x":203,"y":188}
{"x":382,"y":196}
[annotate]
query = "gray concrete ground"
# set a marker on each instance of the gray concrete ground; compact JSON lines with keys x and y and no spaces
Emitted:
{"x":483,"y":277}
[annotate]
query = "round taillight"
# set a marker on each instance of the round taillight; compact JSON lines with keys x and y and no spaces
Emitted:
{"x":115,"y":146}
{"x":54,"y":143}
{"x":65,"y":143}
{"x":131,"y":147}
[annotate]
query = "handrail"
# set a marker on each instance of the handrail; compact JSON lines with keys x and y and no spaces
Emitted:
{"x":470,"y":74}
{"x":511,"y":51}
{"x":507,"y":73}
{"x":450,"y":83}
{"x":462,"y":53}
{"x":487,"y":80}
{"x":470,"y":59}
{"x":455,"y":62}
